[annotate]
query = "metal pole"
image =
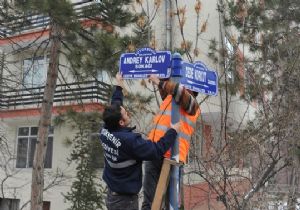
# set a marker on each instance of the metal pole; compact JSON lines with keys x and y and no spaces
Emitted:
{"x":168,"y":10}
{"x":2,"y":99}
{"x":175,"y":117}
{"x":1,"y":69}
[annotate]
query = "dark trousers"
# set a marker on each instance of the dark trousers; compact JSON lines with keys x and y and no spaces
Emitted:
{"x":116,"y":201}
{"x":151,"y":177}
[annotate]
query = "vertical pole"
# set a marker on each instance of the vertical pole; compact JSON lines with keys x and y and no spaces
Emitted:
{"x":1,"y":70}
{"x":168,"y":10}
{"x":175,"y":117}
{"x":1,"y":79}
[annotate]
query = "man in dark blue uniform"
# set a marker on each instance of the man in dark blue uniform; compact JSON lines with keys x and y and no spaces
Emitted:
{"x":124,"y":152}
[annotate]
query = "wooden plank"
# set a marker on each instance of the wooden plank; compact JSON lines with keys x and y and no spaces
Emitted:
{"x":161,"y":186}
{"x":162,"y":183}
{"x":173,"y":162}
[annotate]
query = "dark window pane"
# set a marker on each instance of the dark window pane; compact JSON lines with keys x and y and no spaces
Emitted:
{"x":9,"y":204}
{"x":31,"y":152}
{"x":46,"y":205}
{"x":22,"y":152}
{"x":15,"y":204}
{"x":23,"y":131}
{"x":48,"y":158}
{"x":34,"y":71}
{"x":51,"y":130}
{"x":33,"y":131}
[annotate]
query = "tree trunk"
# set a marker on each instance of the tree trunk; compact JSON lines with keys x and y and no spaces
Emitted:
{"x":45,"y":121}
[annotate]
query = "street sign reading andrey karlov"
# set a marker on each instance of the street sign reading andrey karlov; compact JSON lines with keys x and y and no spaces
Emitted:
{"x":197,"y":77}
{"x":144,"y":62}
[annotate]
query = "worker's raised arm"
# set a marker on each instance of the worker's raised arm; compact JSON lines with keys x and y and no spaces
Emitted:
{"x":181,"y":95}
{"x":143,"y":149}
{"x":117,"y":97}
{"x":155,"y":80}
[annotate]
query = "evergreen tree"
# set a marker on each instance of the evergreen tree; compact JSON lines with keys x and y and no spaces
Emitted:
{"x":86,"y":191}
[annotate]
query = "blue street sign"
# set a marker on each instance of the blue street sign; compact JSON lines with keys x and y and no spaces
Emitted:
{"x":144,"y":62}
{"x":197,"y":77}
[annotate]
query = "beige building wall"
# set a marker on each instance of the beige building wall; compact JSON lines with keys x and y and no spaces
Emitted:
{"x":19,"y":185}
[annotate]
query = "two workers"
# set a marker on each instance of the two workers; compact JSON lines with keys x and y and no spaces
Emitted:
{"x":124,"y":150}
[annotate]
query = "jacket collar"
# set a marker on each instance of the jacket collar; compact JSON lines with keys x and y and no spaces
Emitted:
{"x":127,"y":129}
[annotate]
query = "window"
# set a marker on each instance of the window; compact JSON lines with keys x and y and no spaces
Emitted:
{"x":46,"y":205}
{"x":9,"y":204}
{"x":35,"y":71}
{"x":27,"y":137}
{"x":195,"y":145}
{"x":103,"y":76}
{"x":208,"y":142}
{"x":203,"y":146}
{"x":229,"y":60}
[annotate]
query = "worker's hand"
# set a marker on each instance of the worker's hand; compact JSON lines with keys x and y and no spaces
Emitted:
{"x":154,"y":79}
{"x":176,"y":126}
{"x":119,"y":79}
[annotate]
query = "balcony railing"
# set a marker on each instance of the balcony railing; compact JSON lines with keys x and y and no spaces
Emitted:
{"x":77,"y":92}
{"x":282,"y":189}
{"x":26,"y":23}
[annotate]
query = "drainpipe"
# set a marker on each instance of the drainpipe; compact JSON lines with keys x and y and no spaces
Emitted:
{"x":2,"y":99}
{"x":168,"y":10}
{"x":1,"y":70}
{"x":175,"y":117}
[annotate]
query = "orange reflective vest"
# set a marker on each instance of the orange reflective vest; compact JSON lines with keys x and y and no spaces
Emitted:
{"x":162,"y":121}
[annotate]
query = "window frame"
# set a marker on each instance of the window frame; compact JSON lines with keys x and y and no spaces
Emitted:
{"x":10,"y":203}
{"x":29,"y":155}
{"x":27,"y":70}
{"x":230,"y":72}
{"x":103,"y":76}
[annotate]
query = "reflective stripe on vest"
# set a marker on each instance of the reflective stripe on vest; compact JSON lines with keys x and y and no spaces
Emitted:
{"x":165,"y":129}
{"x":182,"y":117}
{"x":123,"y":164}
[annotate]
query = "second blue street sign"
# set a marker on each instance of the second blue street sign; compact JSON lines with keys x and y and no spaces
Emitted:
{"x":144,"y":62}
{"x":198,"y":78}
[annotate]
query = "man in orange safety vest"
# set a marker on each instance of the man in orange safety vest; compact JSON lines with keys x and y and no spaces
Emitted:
{"x":189,"y":112}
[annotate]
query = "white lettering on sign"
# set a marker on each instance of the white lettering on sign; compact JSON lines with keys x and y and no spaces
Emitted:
{"x":189,"y":73}
{"x":140,"y":75}
{"x":211,"y":82}
{"x":142,"y":66}
{"x":127,"y":76}
{"x":155,"y":59}
{"x":133,"y":60}
{"x":199,"y":90}
{"x":200,"y":76}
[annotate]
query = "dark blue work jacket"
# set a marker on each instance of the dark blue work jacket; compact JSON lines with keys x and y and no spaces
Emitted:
{"x":124,"y":152}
